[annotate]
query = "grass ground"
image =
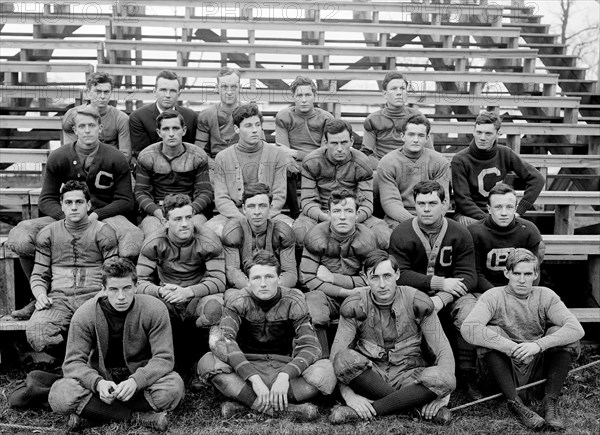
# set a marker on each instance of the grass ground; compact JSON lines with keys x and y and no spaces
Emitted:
{"x":200,"y":414}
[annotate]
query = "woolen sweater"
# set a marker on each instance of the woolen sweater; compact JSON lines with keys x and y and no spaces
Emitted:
{"x":299,"y":131}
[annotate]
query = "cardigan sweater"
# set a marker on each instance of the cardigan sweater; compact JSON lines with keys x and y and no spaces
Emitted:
{"x":397,"y":174}
{"x":475,"y":172}
{"x":108,"y":179}
{"x":147,"y":343}
{"x":229,"y":181}
{"x":300,"y":132}
{"x":493,"y":244}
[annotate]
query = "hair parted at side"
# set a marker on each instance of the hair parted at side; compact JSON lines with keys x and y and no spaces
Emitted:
{"x":501,"y":189}
{"x":335,"y":126}
{"x":73,"y":185}
{"x":89,"y":111}
{"x":417,"y":119}
{"x":302,"y":81}
{"x":168,"y":75}
{"x":393,"y":75}
{"x":169,"y":114}
{"x":254,"y":189}
{"x":426,"y":187}
{"x":245,"y":111}
{"x":489,"y":118}
{"x":340,"y":195}
{"x":174,"y":201}
{"x":99,"y":77}
{"x":376,"y":257}
{"x":521,"y":255}
{"x":118,"y":268}
{"x":262,"y":258}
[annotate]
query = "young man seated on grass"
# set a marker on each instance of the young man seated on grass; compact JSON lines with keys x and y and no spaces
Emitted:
{"x":266,"y":356}
{"x":243,"y":237}
{"x":377,"y":354}
{"x":119,"y":363}
{"x":525,"y":333}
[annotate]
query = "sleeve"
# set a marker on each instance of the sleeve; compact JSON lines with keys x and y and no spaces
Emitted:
{"x":287,"y":257}
{"x":475,"y":331}
{"x":438,"y":342}
{"x":144,"y":192}
{"x":308,"y":270}
{"x":558,"y":314}
{"x":279,"y":187}
{"x":122,"y":203}
{"x":345,"y":336}
{"x":281,"y":129}
{"x":203,"y":133}
{"x":160,"y":339}
{"x":41,"y":276}
{"x":223,"y":201}
{"x":389,"y":194}
{"x":107,"y":242}
{"x":137,"y":133}
{"x":365,"y":192}
{"x":369,"y":142}
{"x":49,"y":202}
{"x":483,"y":283}
{"x":306,"y":345}
{"x":443,"y":174}
{"x":230,"y":325}
{"x":68,"y":123}
{"x":203,"y":193}
{"x":404,"y":250}
{"x":146,"y":270}
{"x":309,"y":196}
{"x":232,"y":238}
{"x":213,"y":281}
{"x":462,"y":191}
{"x":464,"y":259}
{"x":533,"y":179}
{"x":123,"y":133}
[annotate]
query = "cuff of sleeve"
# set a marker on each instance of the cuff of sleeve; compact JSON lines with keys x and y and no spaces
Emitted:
{"x":95,"y":384}
{"x":140,"y":380}
{"x":151,"y":208}
{"x":291,"y":371}
{"x":37,"y":291}
{"x":445,"y":297}
{"x":437,"y":283}
{"x":540,"y":343}
{"x":247,"y":371}
{"x":199,"y":290}
{"x":523,"y":207}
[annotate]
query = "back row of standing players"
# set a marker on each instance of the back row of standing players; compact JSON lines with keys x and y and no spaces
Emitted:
{"x":196,"y":260}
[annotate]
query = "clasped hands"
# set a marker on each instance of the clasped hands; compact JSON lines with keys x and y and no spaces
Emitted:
{"x":109,"y":391}
{"x":175,"y":294}
{"x":275,"y":398}
{"x":524,"y":352}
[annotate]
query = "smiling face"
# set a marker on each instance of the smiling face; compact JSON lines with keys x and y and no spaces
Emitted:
{"x":75,"y":206}
{"x":382,"y":281}
{"x":87,"y":129}
{"x":395,"y":93}
{"x":179,"y":222}
{"x":485,"y":135}
{"x":249,"y":130}
{"x":502,"y":208}
{"x":338,"y":145}
{"x":166,"y":92}
{"x":256,"y":209}
{"x":343,"y":216}
{"x":521,"y":278}
{"x":429,"y":208}
{"x":304,"y":98}
{"x":229,"y":89}
{"x":120,"y":292}
{"x":415,"y":137}
{"x":171,"y":132}
{"x":263,"y":281}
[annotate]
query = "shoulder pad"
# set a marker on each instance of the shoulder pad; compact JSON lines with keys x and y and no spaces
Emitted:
{"x":284,"y":232}
{"x":317,"y":237}
{"x":352,"y":308}
{"x":423,"y":305}
{"x":233,"y":234}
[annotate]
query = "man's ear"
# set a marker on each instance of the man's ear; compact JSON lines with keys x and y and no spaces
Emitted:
{"x":236,"y":129}
{"x":506,"y":273}
{"x":89,"y":206}
{"x":489,"y":209}
{"x":184,"y":129}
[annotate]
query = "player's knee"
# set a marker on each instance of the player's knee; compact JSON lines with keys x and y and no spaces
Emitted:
{"x":348,"y":364}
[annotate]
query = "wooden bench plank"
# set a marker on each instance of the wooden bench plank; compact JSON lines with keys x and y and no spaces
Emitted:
{"x":45,"y":67}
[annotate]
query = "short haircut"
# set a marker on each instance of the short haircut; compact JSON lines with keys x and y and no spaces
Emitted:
{"x":417,"y":119}
{"x":245,"y":111}
{"x":302,"y":81}
{"x":226,"y":71}
{"x":393,"y":75}
{"x":254,"y":189}
{"x":73,"y":185}
{"x":521,"y":255}
{"x":118,"y":268}
{"x":376,"y":257}
{"x":169,"y":114}
{"x":340,"y":195}
{"x":168,"y":75}
{"x":262,"y":258}
{"x":500,"y":189}
{"x":99,"y":77}
{"x":335,"y":126}
{"x":426,"y":187}
{"x":173,"y":201}
{"x":489,"y":118}
{"x":88,"y":111}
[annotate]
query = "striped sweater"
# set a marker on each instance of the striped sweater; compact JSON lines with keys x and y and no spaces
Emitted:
{"x":198,"y":264}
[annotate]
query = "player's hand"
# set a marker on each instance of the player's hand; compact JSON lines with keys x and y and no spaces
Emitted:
{"x":125,"y":390}
{"x":455,"y":287}
{"x":525,"y":352}
{"x":279,"y":392}
{"x":262,"y":403}
{"x":43,"y":302}
{"x":431,"y":409}
{"x":179,"y":296}
{"x":361,"y":405}
{"x":324,"y":274}
{"x":438,"y":304}
{"x":106,"y":391}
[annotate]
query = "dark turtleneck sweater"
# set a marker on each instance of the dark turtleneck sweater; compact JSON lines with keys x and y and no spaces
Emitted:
{"x":116,"y":323}
{"x":493,"y":243}
{"x":475,"y":172}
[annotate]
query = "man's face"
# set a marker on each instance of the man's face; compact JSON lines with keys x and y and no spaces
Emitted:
{"x":343,"y":216}
{"x":485,"y":136}
{"x":395,"y":93}
{"x":87,"y":130}
{"x":502,"y":208}
{"x":256,"y":210}
{"x":521,"y":278}
{"x":429,"y":208}
{"x":415,"y":137}
{"x":249,"y":130}
{"x":179,"y":222}
{"x":99,"y":95}
{"x":120,"y":292}
{"x":263,"y":281}
{"x":229,"y":89}
{"x":382,"y":281}
{"x":171,"y":132}
{"x":75,"y":206}
{"x":338,"y":145}
{"x":166,"y":92}
{"x":304,"y":99}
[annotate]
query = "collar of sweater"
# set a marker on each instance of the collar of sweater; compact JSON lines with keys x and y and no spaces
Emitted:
{"x":483,"y":154}
{"x":340,"y":238}
{"x":85,"y":151}
{"x":411,"y":155}
{"x":335,"y":162}
{"x":109,"y":310}
{"x":268,"y":304}
{"x":378,"y":304}
{"x":434,"y":228}
{"x":393,"y":112}
{"x":310,"y":114}
{"x":171,"y":154}
{"x":77,"y":226}
{"x":250,"y":149}
{"x":179,"y":242}
{"x":489,"y":222}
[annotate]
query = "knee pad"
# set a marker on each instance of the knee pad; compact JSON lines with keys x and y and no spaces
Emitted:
{"x":66,"y":395}
{"x":209,"y":311}
{"x":348,"y":364}
{"x":439,"y":381}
